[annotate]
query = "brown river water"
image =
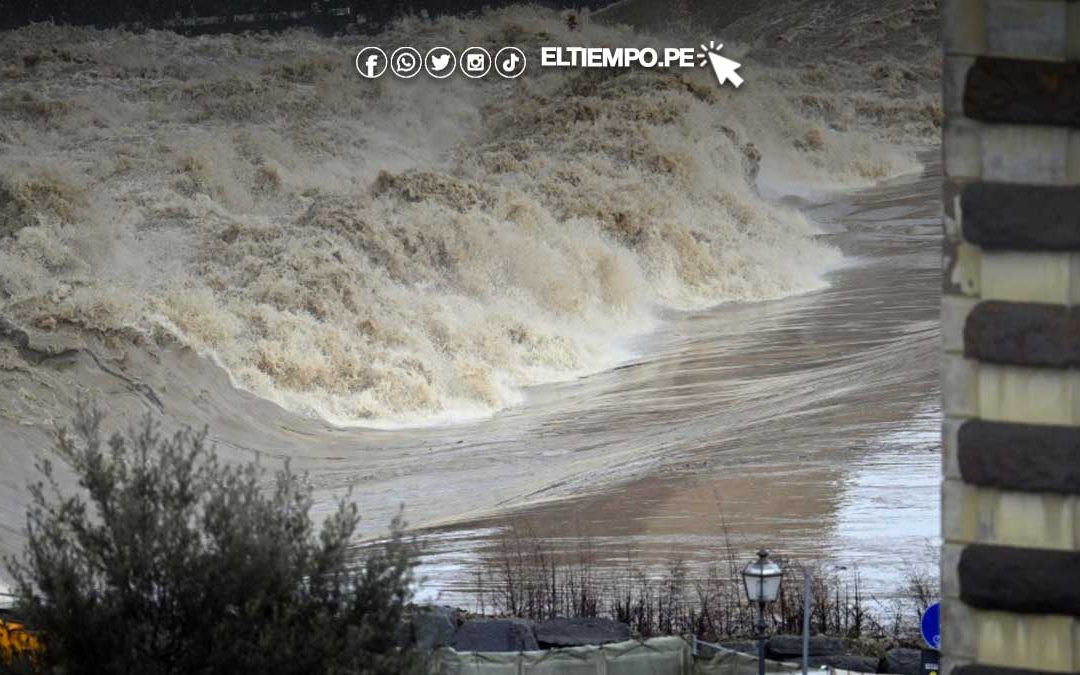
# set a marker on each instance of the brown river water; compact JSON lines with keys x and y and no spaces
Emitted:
{"x":807,"y":425}
{"x":560,"y":303}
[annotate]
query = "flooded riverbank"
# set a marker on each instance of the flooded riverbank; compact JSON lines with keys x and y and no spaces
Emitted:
{"x":808,"y":425}
{"x":578,"y":299}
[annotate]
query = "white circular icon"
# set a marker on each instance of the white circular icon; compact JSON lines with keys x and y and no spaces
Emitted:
{"x":475,"y":62}
{"x":406,"y":62}
{"x":440,"y":62}
{"x":371,"y":62}
{"x":510,"y":62}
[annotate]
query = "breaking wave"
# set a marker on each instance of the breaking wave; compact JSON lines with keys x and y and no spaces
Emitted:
{"x":411,"y":251}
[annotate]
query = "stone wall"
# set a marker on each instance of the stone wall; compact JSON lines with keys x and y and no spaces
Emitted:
{"x":1011,"y":333}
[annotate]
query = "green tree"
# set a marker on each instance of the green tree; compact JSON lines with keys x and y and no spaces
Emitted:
{"x":169,"y":561}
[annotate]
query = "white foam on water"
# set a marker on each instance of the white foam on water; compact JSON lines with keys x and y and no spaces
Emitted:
{"x":396,"y":253}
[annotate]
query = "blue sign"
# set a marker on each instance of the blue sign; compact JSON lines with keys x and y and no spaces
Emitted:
{"x":931,"y":626}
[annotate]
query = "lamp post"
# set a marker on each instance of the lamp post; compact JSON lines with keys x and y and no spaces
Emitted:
{"x":762,"y":581}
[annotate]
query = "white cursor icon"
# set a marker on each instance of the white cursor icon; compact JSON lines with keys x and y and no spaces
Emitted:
{"x":723,"y":67}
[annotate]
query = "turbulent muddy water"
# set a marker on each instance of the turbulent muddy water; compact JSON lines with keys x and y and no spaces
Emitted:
{"x":584,"y":299}
{"x":808,"y":425}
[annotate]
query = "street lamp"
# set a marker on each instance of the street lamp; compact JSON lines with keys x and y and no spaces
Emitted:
{"x":762,"y":581}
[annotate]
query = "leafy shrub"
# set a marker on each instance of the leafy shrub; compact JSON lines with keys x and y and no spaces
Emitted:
{"x":169,"y":561}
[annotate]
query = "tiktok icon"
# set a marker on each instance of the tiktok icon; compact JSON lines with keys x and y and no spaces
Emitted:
{"x":371,"y":62}
{"x":510,"y":62}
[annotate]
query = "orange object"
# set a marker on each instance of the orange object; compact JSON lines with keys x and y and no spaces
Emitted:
{"x":16,"y":640}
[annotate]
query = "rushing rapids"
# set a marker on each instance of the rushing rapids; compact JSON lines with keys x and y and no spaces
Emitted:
{"x":237,"y":230}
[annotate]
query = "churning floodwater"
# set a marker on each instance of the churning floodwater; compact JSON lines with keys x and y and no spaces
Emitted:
{"x":627,"y":306}
{"x":809,"y":425}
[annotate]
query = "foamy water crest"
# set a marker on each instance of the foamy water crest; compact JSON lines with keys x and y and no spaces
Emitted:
{"x":397,"y":252}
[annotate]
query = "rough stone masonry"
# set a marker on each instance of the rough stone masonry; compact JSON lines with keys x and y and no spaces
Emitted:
{"x":1011,"y":448}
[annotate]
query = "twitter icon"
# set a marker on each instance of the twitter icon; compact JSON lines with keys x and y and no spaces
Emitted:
{"x":440,"y":62}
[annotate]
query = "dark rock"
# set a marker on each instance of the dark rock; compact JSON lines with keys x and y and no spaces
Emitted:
{"x":1022,"y":217}
{"x":859,"y":664}
{"x":433,"y":629}
{"x":743,"y":647}
{"x":1023,"y":333}
{"x":576,"y":632}
{"x":1021,"y":457}
{"x":901,"y":661}
{"x":428,"y":628}
{"x":1020,"y":91}
{"x":495,"y":635}
{"x":1020,"y":579}
{"x":787,"y":647}
{"x":708,"y":651}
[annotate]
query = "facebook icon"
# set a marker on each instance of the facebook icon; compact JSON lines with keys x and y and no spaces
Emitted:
{"x":371,"y":62}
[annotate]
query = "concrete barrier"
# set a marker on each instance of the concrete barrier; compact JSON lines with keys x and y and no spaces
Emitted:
{"x":658,"y":656}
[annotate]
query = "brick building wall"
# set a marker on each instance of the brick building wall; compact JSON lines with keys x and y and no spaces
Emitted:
{"x":1011,"y":333}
